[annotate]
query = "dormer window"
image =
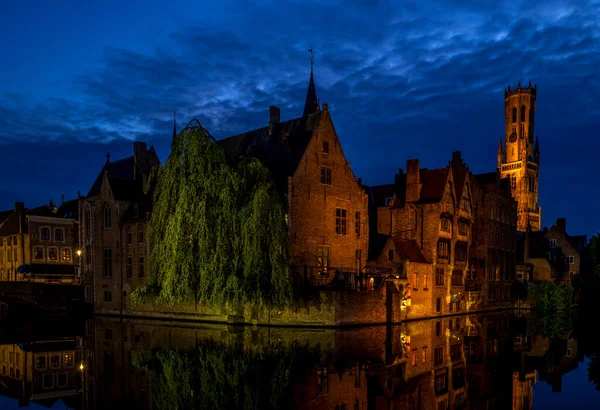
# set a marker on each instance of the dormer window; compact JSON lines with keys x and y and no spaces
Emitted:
{"x":325,"y":149}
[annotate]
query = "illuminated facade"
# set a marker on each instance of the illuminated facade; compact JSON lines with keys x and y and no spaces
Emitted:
{"x":519,"y":156}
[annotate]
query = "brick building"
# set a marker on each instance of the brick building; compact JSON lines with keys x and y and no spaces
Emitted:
{"x":433,"y":210}
{"x":493,"y":257}
{"x":551,"y":254}
{"x":40,"y":244}
{"x":327,"y":205}
{"x":518,"y":157}
{"x":113,"y":221}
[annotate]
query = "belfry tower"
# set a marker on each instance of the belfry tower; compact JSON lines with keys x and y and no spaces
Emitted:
{"x":519,"y":156}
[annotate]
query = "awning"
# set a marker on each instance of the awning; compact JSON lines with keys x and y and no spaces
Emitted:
{"x":47,"y":269}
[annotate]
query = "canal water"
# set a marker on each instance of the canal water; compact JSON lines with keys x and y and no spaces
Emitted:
{"x":508,"y":360}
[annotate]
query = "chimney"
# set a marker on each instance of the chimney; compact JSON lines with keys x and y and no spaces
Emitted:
{"x":19,"y":206}
{"x":274,"y":117}
{"x":139,"y":155}
{"x":561,"y":223}
{"x":456,"y":156}
{"x":413,"y":180}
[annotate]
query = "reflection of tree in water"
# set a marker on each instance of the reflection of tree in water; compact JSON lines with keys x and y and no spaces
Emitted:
{"x":559,"y":324}
{"x":218,"y":376}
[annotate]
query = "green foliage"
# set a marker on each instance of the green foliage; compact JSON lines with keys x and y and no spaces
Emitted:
{"x":549,"y":296}
{"x":594,"y":254}
{"x":558,"y":324}
{"x":218,"y":232}
{"x":218,"y":376}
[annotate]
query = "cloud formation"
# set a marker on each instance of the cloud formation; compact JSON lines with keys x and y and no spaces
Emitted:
{"x":412,"y":80}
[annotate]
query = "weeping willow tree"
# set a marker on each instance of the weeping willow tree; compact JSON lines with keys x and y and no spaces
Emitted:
{"x":218,"y":231}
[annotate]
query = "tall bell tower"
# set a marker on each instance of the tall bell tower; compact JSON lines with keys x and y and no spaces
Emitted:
{"x":519,"y":155}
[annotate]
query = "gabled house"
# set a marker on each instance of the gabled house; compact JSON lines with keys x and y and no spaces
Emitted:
{"x":106,"y":224}
{"x":431,"y":210}
{"x":327,"y":206}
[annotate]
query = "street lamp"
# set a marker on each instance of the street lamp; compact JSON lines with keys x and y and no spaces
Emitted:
{"x":78,"y":252}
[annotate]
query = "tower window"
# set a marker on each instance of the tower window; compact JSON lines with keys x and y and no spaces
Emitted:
{"x":523,"y":110}
{"x":514,"y":115}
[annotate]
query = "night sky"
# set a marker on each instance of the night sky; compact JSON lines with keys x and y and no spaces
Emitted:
{"x":413,"y":80}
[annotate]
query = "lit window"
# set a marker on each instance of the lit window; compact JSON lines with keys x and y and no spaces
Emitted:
{"x":40,"y":362}
{"x":38,"y":254}
{"x":55,"y":361}
{"x":413,"y":358}
{"x":66,"y":254}
{"x":68,"y":360}
{"x":424,"y":355}
{"x":53,"y":254}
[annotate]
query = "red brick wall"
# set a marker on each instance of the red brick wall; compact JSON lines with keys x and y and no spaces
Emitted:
{"x":313,"y":205}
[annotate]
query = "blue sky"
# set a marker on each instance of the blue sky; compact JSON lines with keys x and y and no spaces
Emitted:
{"x":403,"y":80}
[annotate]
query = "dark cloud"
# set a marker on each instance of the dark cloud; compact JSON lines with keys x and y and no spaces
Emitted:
{"x":412,"y":80}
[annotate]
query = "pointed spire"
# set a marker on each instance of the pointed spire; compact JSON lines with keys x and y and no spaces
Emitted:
{"x":312,"y":104}
{"x":174,"y":124}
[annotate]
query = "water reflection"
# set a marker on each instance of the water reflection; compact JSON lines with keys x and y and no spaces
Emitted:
{"x":474,"y":362}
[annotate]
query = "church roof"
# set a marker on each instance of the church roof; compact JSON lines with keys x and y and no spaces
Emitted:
{"x":122,"y":168}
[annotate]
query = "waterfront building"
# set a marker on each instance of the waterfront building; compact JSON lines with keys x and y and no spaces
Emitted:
{"x":327,"y":206}
{"x":433,"y":211}
{"x":40,"y":244}
{"x":114,"y":215}
{"x":493,"y":249}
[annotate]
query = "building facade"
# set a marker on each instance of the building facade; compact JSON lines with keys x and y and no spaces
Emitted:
{"x":433,"y":209}
{"x":109,"y":222}
{"x":40,"y":244}
{"x":327,"y":205}
{"x":519,"y":157}
{"x":493,"y":249}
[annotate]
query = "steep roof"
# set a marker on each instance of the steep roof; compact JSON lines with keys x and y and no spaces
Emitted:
{"x":434,"y":184}
{"x":122,"y":168}
{"x":69,"y":209}
{"x":409,"y":250}
{"x":280,"y":146}
{"x":10,"y":226}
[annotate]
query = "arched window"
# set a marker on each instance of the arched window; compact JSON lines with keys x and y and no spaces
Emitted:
{"x":59,"y":235}
{"x":66,"y":254}
{"x":523,"y":110}
{"x":390,"y":255}
{"x":514,"y":115}
{"x":438,"y":305}
{"x":53,"y":254}
{"x":38,"y":254}
{"x":45,"y":234}
{"x":107,"y":218}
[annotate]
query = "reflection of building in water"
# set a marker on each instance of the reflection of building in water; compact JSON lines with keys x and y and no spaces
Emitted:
{"x":554,"y":357}
{"x":41,"y":372}
{"x":523,"y":390}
